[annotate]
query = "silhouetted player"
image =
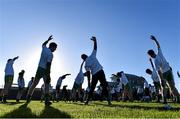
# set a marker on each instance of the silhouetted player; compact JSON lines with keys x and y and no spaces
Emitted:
{"x":29,"y":84}
{"x":164,"y":70}
{"x":43,"y":70}
{"x":9,"y":75}
{"x":155,"y":78}
{"x":58,"y":85}
{"x":21,"y":85}
{"x":127,"y":91}
{"x":93,"y":67}
{"x":78,"y":83}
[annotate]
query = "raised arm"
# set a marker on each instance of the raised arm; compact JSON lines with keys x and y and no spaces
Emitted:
{"x":82,"y":64}
{"x":50,"y":38}
{"x":15,"y":58}
{"x":67,"y":75}
{"x":64,"y":76}
{"x":151,"y":63}
{"x":155,"y":40}
{"x":95,"y":42}
{"x":178,"y":74}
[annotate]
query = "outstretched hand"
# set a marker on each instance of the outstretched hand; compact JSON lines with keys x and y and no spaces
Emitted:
{"x":178,"y":74}
{"x":15,"y":58}
{"x":64,"y":76}
{"x":153,"y":37}
{"x":93,"y":38}
{"x":155,"y":40}
{"x":50,"y":38}
{"x":68,"y":74}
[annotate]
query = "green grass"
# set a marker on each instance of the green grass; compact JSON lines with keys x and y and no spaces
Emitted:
{"x":93,"y":110}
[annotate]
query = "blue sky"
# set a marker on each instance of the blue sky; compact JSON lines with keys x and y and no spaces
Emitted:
{"x":122,"y":28}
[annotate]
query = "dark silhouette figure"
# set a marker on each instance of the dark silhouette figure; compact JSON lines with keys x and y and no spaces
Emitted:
{"x":9,"y":75}
{"x":21,"y":85}
{"x":65,"y":95}
{"x":43,"y":70}
{"x":29,"y":85}
{"x":93,"y":67}
{"x":77,"y":87}
{"x":58,"y":85}
{"x":155,"y":79}
{"x":164,"y":70}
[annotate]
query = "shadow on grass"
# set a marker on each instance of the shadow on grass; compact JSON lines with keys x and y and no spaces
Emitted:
{"x":22,"y":111}
{"x":12,"y":103}
{"x":50,"y":112}
{"x":140,"y":107}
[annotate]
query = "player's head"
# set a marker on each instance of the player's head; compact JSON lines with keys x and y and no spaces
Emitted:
{"x":119,"y":73}
{"x":21,"y":73}
{"x":32,"y":78}
{"x":148,"y":71}
{"x":151,"y":53}
{"x":52,"y":46}
{"x":9,"y":60}
{"x":84,"y":56}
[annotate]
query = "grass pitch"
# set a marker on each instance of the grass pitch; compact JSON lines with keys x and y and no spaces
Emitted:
{"x":95,"y":109}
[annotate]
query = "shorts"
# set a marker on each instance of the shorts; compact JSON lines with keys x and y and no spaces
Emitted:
{"x":157,"y":85}
{"x":168,"y":76}
{"x":8,"y":79}
{"x":40,"y":72}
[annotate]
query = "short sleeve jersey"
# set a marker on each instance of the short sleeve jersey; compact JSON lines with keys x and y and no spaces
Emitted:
{"x":21,"y":82}
{"x":30,"y":83}
{"x":46,"y":56}
{"x":92,"y":64}
{"x":80,"y":77}
{"x":154,"y":76}
{"x":160,"y":62}
{"x":9,"y":68}
{"x":59,"y":81}
{"x":124,"y":79}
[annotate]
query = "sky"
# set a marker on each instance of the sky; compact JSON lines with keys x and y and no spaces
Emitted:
{"x":122,"y":28}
